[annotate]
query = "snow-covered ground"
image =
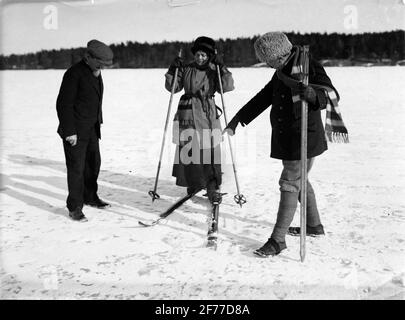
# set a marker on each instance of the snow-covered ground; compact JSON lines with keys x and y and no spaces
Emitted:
{"x":359,"y":186}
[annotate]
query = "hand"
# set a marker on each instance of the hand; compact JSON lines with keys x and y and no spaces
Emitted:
{"x":218,"y":60}
{"x":72,"y":140}
{"x":307,"y":93}
{"x":229,"y":131}
{"x":177,"y":63}
{"x":231,"y":127}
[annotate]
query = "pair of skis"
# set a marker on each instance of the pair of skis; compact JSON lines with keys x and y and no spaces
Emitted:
{"x":212,"y":235}
{"x":170,"y":210}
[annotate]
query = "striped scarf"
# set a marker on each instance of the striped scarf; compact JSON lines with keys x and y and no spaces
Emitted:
{"x":335,"y":129}
{"x":198,"y":119}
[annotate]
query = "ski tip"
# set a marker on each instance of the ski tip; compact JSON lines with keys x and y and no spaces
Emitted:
{"x":144,"y":224}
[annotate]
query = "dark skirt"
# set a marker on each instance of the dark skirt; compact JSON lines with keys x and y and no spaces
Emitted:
{"x":200,"y":173}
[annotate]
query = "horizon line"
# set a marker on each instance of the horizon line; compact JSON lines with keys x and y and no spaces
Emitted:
{"x":216,"y":39}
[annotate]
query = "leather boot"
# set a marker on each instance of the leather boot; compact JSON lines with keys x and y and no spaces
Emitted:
{"x":311,"y":231}
{"x":270,"y":248}
{"x":78,"y":215}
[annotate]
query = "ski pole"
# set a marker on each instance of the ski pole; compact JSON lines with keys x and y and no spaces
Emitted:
{"x":153,"y":192}
{"x":304,"y":148}
{"x":239,"y":198}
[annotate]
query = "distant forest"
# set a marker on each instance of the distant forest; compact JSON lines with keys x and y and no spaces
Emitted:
{"x":385,"y":48}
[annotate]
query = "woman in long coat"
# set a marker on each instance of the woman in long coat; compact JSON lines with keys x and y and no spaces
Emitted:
{"x":196,"y":127}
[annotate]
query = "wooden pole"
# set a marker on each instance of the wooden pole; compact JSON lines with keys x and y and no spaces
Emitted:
{"x":304,"y":151}
{"x":239,"y":198}
{"x":153,"y":192}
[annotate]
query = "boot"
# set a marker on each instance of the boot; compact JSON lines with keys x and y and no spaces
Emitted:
{"x":311,"y":231}
{"x":98,"y":203}
{"x":314,"y":226}
{"x":77,"y":215}
{"x":285,"y":215}
{"x":214,"y":196}
{"x":270,"y":248}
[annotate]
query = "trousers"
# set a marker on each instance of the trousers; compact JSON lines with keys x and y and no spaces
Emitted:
{"x":290,"y":195}
{"x":83,"y":163}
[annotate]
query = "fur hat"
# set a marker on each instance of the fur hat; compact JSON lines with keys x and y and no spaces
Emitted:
{"x":100,"y":51}
{"x":204,"y":44}
{"x":272,"y":45}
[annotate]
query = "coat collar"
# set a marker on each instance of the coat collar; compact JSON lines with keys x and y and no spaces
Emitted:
{"x":92,"y":79}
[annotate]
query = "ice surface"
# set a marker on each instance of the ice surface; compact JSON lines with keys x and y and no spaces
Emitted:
{"x":359,"y":187}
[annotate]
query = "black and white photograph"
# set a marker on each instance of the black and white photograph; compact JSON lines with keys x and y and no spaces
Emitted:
{"x":205,"y":150}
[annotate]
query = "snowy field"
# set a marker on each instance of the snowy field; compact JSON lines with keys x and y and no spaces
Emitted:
{"x":360,"y":190}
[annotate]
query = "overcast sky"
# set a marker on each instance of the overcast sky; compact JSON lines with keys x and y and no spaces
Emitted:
{"x":32,"y":25}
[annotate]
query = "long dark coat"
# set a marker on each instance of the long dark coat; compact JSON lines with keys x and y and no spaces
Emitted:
{"x":195,"y":114}
{"x":79,"y":103}
{"x":286,"y":135}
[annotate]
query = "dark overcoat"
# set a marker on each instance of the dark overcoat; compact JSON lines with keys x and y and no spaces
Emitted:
{"x":79,"y":102}
{"x":286,"y":125}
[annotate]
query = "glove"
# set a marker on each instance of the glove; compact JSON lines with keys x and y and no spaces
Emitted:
{"x":231,"y":127}
{"x":218,"y":60}
{"x":307,"y":93}
{"x":177,"y":63}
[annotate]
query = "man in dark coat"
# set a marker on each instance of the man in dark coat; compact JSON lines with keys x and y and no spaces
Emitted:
{"x":80,"y":116}
{"x":276,"y":50}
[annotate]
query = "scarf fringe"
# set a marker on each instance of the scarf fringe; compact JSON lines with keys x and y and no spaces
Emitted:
{"x":335,"y":129}
{"x":337,"y":137}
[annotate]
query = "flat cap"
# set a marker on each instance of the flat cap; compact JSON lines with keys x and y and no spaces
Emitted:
{"x":100,"y":51}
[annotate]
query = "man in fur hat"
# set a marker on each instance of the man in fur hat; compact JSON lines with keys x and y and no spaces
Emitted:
{"x":275,"y":49}
{"x":80,"y":116}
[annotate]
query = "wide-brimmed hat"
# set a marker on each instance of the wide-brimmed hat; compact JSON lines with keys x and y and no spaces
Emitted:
{"x":205,"y":44}
{"x":100,"y":51}
{"x":271,"y":46}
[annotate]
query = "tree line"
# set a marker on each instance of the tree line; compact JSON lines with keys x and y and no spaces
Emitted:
{"x":239,"y":52}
